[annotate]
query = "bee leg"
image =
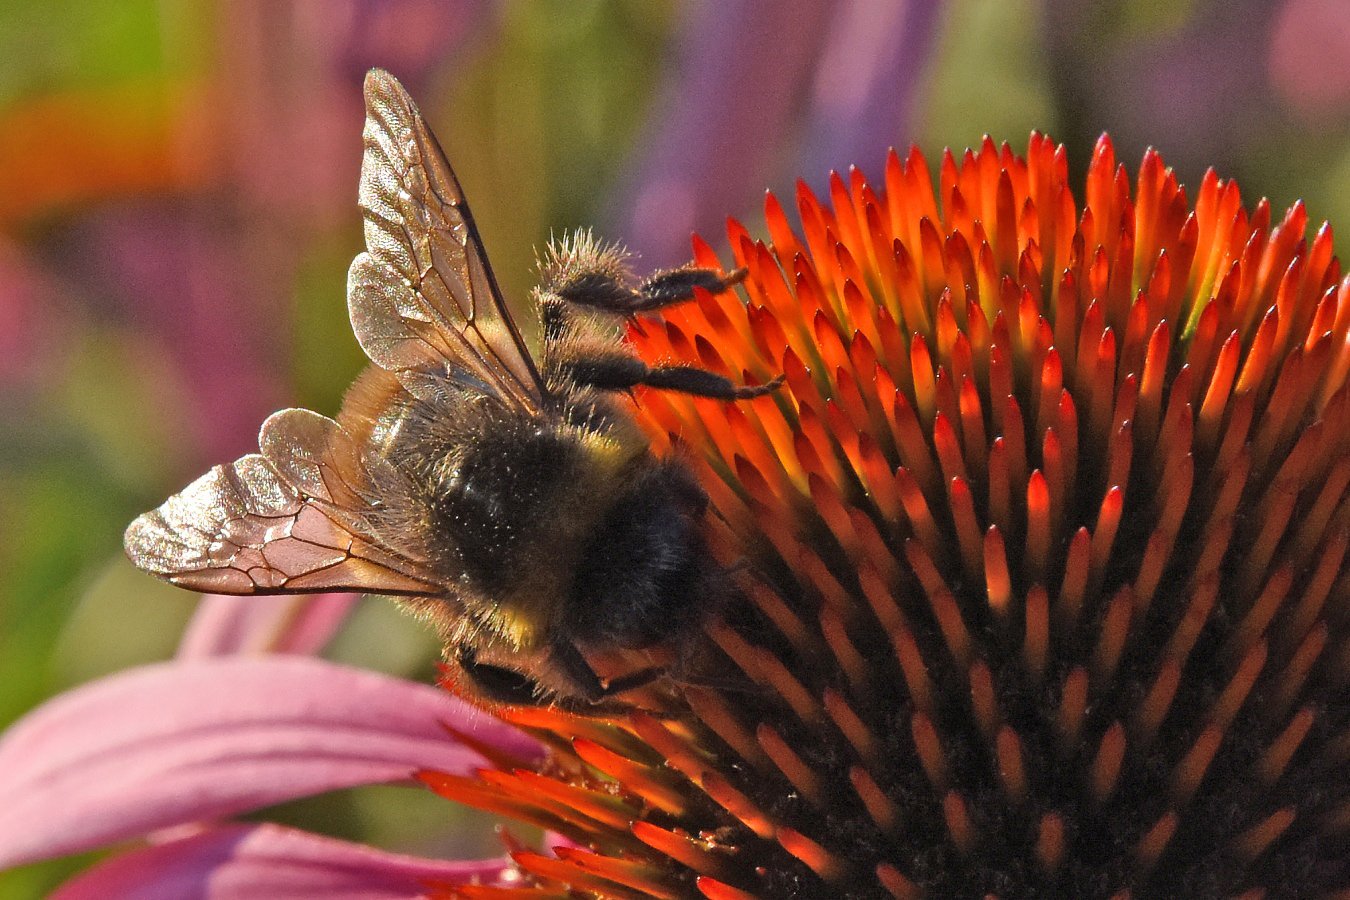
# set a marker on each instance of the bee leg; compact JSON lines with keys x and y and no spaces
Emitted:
{"x":702,"y":383}
{"x":678,"y":285}
{"x":553,"y":317}
{"x":608,"y":293}
{"x":633,"y":680}
{"x":621,"y":372}
{"x":579,"y":671}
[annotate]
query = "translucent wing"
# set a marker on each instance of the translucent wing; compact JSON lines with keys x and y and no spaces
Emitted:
{"x":423,"y":296}
{"x":299,"y":517}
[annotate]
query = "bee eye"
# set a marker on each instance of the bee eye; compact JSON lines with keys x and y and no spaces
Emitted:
{"x":498,"y":683}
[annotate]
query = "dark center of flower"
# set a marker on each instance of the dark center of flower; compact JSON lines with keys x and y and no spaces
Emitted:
{"x":1041,"y":558}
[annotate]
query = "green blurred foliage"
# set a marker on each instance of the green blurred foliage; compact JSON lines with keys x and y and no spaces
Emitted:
{"x":985,"y":78}
{"x":540,"y":128}
{"x":59,"y":44}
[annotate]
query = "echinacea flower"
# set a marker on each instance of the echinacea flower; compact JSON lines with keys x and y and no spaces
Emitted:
{"x":1042,"y":569}
{"x":1042,"y":551}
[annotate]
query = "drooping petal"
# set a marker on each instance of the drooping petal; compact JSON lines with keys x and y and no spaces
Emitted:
{"x":251,"y":861}
{"x":182,"y":742}
{"x":302,"y":624}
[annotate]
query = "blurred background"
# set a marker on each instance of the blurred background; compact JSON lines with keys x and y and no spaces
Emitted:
{"x":177,"y":214}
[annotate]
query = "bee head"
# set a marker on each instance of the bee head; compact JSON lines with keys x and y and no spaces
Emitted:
{"x":494,"y":684}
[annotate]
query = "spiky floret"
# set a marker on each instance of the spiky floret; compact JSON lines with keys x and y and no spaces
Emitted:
{"x":1047,"y":541}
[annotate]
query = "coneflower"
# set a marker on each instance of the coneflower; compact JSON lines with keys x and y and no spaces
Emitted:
{"x":1041,"y":557}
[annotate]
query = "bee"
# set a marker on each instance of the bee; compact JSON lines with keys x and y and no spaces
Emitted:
{"x":509,"y":498}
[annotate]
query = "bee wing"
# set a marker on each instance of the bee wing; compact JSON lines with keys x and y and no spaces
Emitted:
{"x":295,"y":518}
{"x":423,"y":295}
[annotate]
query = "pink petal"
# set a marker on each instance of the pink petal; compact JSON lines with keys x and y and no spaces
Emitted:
{"x":252,"y":861}
{"x":301,"y":624}
{"x":192,"y":740}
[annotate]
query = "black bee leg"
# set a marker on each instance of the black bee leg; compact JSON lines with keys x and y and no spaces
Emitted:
{"x":678,"y":285}
{"x":574,"y":666}
{"x":608,"y":293}
{"x":621,"y":372}
{"x":633,"y":680}
{"x":553,"y":317}
{"x":702,"y":383}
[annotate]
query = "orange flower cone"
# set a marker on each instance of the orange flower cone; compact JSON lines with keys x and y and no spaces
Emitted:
{"x":1042,"y":557}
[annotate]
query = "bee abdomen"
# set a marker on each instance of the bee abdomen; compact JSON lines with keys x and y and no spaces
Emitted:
{"x":646,"y":573}
{"x":488,"y":504}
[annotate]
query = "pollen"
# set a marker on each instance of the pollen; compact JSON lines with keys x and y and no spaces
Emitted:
{"x":1040,"y":557}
